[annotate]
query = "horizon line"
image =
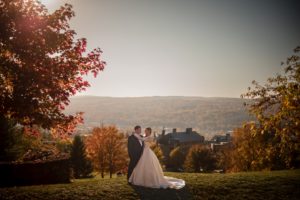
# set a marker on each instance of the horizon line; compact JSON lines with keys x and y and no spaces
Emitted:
{"x":155,"y":96}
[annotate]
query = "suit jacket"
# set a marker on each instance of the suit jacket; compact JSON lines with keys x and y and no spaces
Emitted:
{"x":135,"y":150}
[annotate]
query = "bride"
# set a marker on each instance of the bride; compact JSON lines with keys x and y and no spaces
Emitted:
{"x":148,"y":172}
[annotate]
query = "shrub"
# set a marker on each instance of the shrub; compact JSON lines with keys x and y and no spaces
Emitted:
{"x":177,"y":157}
{"x":200,"y":158}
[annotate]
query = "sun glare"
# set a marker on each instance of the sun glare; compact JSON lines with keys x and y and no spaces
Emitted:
{"x":50,"y":4}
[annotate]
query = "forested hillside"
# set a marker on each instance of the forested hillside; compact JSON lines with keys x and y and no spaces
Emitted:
{"x":206,"y":115}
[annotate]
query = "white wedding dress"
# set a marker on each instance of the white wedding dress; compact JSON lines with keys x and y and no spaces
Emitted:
{"x":148,"y":172}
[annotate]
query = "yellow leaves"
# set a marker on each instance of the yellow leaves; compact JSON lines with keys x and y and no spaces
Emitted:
{"x":7,"y":83}
{"x":106,"y":148}
{"x":8,"y":86}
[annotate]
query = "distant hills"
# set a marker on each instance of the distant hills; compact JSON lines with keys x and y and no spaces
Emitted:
{"x":206,"y":115}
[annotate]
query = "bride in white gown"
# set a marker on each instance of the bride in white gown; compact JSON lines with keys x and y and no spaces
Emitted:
{"x":148,"y":172}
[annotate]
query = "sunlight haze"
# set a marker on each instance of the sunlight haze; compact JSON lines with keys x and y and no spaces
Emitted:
{"x":185,"y":48}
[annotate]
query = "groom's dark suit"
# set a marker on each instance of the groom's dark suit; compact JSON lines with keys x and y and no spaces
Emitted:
{"x":135,"y":150}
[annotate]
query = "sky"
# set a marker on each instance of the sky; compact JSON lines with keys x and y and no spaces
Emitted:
{"x":208,"y":48}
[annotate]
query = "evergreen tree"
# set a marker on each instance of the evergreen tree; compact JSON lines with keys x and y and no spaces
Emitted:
{"x":11,"y":140}
{"x":82,"y":167}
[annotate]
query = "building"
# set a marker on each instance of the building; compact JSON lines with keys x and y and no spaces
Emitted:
{"x":175,"y":138}
{"x":221,"y":138}
{"x":220,"y":142}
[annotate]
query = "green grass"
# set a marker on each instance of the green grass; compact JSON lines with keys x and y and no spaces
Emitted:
{"x":251,"y":185}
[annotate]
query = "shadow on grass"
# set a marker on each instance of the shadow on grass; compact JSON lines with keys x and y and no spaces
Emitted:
{"x":162,"y":194}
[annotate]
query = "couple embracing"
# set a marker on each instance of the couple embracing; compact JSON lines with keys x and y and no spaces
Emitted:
{"x":144,"y":168}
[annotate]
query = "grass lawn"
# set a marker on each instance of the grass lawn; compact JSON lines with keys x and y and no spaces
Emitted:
{"x":251,"y":185}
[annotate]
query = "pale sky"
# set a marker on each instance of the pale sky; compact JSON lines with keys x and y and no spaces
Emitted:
{"x":185,"y":48}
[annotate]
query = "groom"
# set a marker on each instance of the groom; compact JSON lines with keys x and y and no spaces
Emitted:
{"x":135,"y":149}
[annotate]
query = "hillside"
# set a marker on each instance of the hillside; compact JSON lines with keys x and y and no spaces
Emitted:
{"x":206,"y":115}
{"x":246,"y":186}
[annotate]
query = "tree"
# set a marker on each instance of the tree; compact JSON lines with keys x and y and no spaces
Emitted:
{"x":10,"y":135}
{"x":115,"y":149}
{"x":13,"y":142}
{"x":82,"y":167}
{"x":177,"y":157}
{"x":106,"y":148}
{"x":41,"y":65}
{"x":96,"y":150}
{"x":276,"y":106}
{"x":200,"y":158}
{"x":224,"y":159}
{"x":249,"y":151}
{"x":64,"y":146}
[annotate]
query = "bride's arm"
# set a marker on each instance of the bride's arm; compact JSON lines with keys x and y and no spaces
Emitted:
{"x":140,"y":137}
{"x":148,"y":138}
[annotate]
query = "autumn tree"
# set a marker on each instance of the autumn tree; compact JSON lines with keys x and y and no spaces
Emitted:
{"x":251,"y":150}
{"x":199,"y":158}
{"x":248,"y":151}
{"x":225,"y":160}
{"x":41,"y":65}
{"x":96,"y":150}
{"x":81,"y":165}
{"x":177,"y":157}
{"x":106,"y":147}
{"x":115,"y":148}
{"x":276,"y":106}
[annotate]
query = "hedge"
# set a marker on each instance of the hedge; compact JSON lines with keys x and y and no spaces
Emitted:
{"x":33,"y":173}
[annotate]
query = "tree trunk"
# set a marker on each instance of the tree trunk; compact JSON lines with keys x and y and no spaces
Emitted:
{"x":102,"y":173}
{"x":110,"y":171}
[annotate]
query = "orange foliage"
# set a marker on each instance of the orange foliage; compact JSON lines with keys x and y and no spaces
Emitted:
{"x":106,"y":148}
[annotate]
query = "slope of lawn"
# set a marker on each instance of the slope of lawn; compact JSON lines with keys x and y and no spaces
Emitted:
{"x":250,"y":185}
